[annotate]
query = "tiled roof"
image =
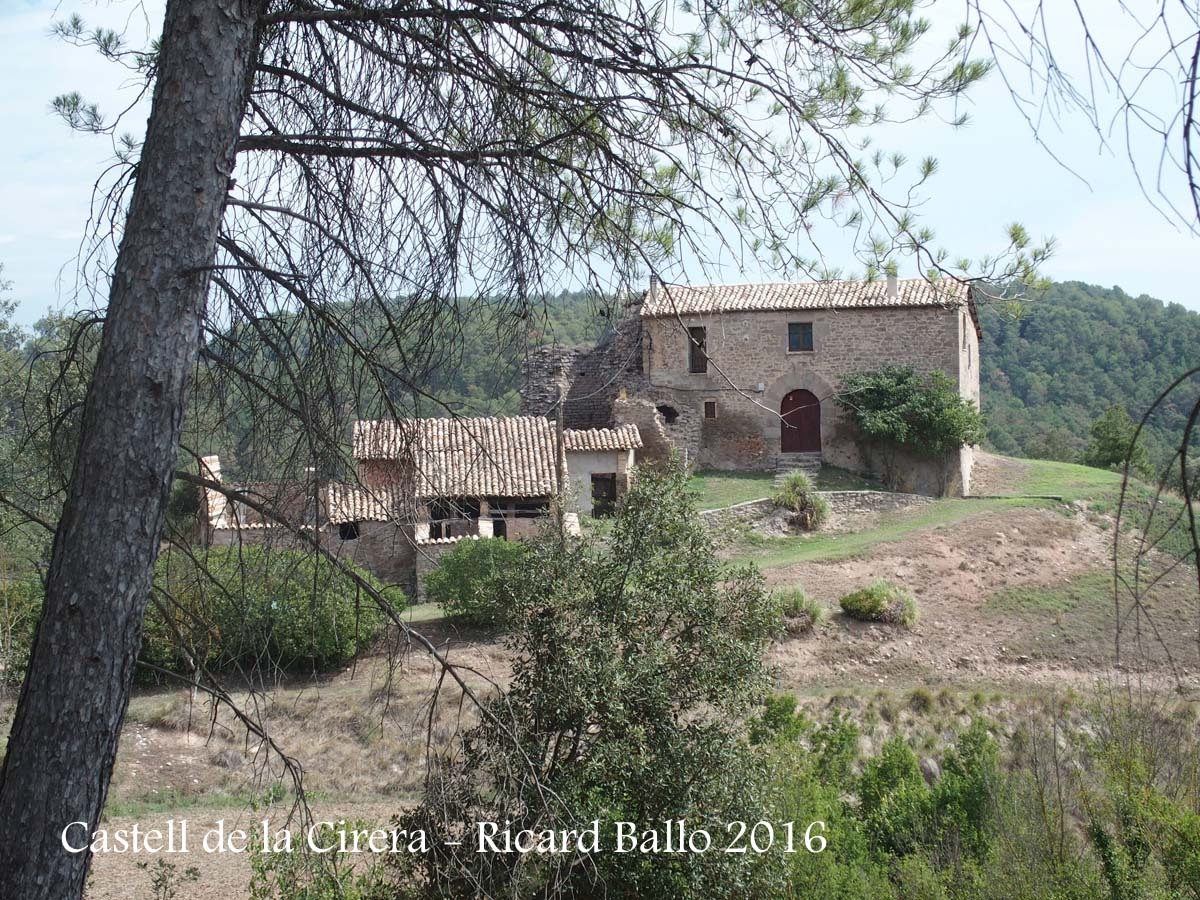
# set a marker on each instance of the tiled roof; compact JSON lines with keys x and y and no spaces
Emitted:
{"x":354,"y":503}
{"x":623,"y":437}
{"x":672,"y":299}
{"x":509,"y":457}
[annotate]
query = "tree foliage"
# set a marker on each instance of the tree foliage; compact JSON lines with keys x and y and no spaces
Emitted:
{"x":1049,"y":373}
{"x":636,"y":663}
{"x":474,"y":580}
{"x":1112,"y":441}
{"x":897,"y":408}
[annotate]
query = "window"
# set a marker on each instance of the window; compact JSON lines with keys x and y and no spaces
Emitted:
{"x":710,"y":409}
{"x":799,"y":336}
{"x":348,"y":531}
{"x":697,"y":357}
{"x":604,"y":494}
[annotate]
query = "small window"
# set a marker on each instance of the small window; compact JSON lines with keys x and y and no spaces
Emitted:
{"x":800,"y":336}
{"x":669,"y":414}
{"x":710,"y":409}
{"x":348,"y":531}
{"x":697,"y":354}
{"x":604,"y":494}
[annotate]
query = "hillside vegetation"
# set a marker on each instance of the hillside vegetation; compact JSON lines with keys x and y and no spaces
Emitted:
{"x":1048,"y":374}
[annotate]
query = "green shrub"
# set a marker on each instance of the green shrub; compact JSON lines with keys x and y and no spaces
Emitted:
{"x":779,"y":722}
{"x":800,"y":612}
{"x":253,"y":607}
{"x":896,"y":406}
{"x":473,"y":581}
{"x":884,"y":602}
{"x":894,"y":802}
{"x":797,"y":494}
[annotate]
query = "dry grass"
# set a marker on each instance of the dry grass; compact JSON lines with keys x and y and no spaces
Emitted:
{"x":360,"y":734}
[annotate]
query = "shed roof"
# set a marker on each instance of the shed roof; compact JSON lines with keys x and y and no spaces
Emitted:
{"x":623,"y":437}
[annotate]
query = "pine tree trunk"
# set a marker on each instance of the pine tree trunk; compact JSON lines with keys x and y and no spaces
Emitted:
{"x":64,"y":736}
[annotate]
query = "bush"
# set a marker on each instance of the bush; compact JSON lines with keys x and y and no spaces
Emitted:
{"x":635,"y":660}
{"x":473,"y":581}
{"x":797,"y":494}
{"x":882,"y":602}
{"x":894,"y":409}
{"x":253,"y":607}
{"x":800,"y":612}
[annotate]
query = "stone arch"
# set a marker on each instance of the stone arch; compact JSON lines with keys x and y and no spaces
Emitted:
{"x":773,"y":396}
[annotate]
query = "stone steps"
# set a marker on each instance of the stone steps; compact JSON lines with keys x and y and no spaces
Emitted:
{"x":808,"y":463}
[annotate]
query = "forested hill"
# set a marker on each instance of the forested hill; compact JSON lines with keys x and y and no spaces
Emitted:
{"x":1074,"y":352}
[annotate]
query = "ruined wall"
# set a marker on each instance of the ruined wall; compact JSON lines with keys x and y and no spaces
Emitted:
{"x":657,"y":443}
{"x":593,"y":375}
{"x":384,"y":549}
{"x":544,"y":372}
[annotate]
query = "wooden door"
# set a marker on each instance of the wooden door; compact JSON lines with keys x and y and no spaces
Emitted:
{"x":801,"y":425}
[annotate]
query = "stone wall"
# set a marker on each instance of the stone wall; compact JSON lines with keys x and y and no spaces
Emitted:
{"x":848,"y":510}
{"x":751,"y":370}
{"x":750,"y":511}
{"x":657,"y":445}
{"x":386,"y":550}
{"x":594,"y":376}
{"x":853,"y":502}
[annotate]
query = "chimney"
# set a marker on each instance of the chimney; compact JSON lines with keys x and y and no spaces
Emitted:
{"x":893,"y":286}
{"x":654,"y":283}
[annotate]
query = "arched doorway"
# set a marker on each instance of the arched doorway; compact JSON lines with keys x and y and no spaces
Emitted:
{"x":800,"y":412}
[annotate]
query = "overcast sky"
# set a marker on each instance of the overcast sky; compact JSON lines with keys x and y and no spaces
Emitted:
{"x":991,"y":173}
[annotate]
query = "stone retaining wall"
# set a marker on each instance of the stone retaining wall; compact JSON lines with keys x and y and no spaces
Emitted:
{"x":849,"y":502}
{"x":848,"y":510}
{"x":750,"y":511}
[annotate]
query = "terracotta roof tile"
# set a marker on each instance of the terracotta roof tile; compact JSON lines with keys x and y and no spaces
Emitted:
{"x":672,"y":299}
{"x":354,"y":503}
{"x":511,"y":456}
{"x":623,"y":437}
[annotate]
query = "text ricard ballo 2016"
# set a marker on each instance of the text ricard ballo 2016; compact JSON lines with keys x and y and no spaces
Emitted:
{"x":673,"y":836}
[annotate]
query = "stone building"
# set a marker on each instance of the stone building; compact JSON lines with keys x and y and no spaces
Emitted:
{"x":745,"y":376}
{"x":425,"y":484}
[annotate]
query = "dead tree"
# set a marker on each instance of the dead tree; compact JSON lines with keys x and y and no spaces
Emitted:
{"x":335,"y":174}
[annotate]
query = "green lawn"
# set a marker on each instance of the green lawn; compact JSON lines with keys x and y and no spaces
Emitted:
{"x":422,"y":612}
{"x":715,"y":490}
{"x":1098,"y":487}
{"x":1068,"y":480}
{"x":768,"y":553}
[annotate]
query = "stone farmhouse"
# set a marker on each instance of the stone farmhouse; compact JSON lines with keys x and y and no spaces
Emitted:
{"x":425,"y":484}
{"x":743,"y":377}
